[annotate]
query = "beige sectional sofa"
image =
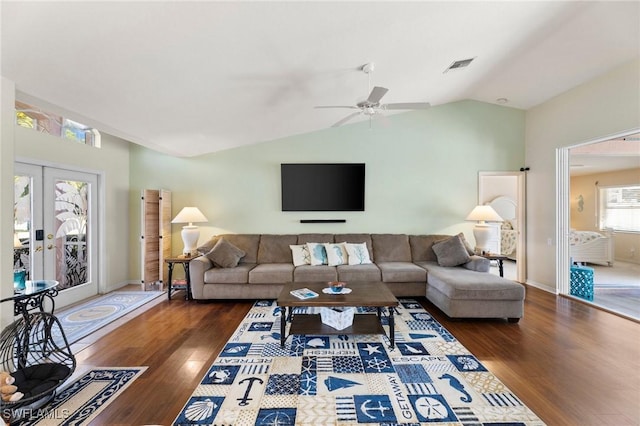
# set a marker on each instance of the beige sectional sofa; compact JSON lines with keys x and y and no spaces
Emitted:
{"x":408,"y":264}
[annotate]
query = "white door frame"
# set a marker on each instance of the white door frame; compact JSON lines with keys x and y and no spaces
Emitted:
{"x":521,"y":201}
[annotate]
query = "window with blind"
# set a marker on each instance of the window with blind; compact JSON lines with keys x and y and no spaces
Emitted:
{"x":620,"y":208}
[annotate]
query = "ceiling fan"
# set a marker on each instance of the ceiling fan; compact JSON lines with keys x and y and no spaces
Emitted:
{"x":372,"y":106}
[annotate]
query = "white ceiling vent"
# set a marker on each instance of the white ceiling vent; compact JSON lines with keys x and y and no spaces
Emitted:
{"x":463,"y":63}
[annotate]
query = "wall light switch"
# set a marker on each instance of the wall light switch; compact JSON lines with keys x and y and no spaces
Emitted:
{"x":549,"y":241}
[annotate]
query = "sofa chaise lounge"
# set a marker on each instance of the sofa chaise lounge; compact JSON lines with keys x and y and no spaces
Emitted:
{"x":256,"y":266}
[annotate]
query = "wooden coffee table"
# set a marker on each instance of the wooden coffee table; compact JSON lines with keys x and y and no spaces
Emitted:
{"x":364,"y":294}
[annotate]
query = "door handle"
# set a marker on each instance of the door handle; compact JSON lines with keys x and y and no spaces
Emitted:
{"x":39,"y":249}
{"x":50,"y":246}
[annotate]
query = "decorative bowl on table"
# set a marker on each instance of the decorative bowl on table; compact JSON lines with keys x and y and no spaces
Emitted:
{"x":336,"y":286}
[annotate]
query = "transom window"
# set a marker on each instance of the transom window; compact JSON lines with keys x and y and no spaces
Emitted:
{"x":620,"y":208}
{"x":32,"y":117}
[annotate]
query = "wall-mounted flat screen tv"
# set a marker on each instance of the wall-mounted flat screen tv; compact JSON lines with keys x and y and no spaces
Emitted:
{"x":322,"y":187}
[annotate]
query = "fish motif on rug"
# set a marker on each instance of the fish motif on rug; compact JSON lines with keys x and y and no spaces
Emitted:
{"x":428,"y":378}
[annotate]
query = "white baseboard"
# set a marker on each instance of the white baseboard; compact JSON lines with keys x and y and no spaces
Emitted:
{"x":541,"y":287}
{"x":114,"y":287}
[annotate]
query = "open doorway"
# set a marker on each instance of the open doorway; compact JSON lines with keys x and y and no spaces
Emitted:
{"x":505,"y":192}
{"x":604,"y":222}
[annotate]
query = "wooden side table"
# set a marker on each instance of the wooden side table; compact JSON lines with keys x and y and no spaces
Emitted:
{"x":498,"y":258}
{"x":184,"y":261}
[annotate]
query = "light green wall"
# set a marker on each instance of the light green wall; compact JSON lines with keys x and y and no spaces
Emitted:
{"x":421,"y":174}
{"x":604,"y":106}
{"x":111,"y":163}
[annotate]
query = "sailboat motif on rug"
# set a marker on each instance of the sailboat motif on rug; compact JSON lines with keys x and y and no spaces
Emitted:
{"x":429,"y":378}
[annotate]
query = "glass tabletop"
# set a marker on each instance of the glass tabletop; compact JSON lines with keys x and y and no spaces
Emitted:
{"x":32,"y":288}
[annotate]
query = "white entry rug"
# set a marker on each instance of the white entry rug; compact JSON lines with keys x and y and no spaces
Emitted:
{"x":81,"y":320}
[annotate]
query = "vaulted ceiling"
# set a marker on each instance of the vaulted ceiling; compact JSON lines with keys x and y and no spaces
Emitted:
{"x":188,"y":78}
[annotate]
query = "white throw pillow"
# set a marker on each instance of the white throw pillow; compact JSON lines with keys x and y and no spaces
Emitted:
{"x":300,"y":254}
{"x":358,"y":253}
{"x":336,"y":253}
{"x":317,"y":253}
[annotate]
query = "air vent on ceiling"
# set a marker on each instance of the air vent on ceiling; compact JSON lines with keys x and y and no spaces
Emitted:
{"x":463,"y":63}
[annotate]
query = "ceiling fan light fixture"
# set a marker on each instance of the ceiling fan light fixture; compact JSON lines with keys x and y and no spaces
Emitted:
{"x":368,"y":68}
{"x":372,"y":107}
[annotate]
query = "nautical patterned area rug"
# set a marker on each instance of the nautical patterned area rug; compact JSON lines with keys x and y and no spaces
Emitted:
{"x":84,"y":399}
{"x":81,"y":320}
{"x":429,"y":378}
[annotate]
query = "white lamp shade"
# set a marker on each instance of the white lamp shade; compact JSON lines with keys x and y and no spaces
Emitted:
{"x":189,"y":215}
{"x":484,"y":214}
{"x":190,"y":233}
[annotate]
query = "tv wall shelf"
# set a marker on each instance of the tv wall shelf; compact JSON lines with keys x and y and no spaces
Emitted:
{"x":323,"y":220}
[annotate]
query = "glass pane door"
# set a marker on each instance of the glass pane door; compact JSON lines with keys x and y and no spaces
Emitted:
{"x":71,"y":205}
{"x":55,"y":228}
{"x":27,"y":251}
{"x":70,"y":224}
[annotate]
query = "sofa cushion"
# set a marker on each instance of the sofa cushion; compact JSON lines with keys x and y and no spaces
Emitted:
{"x":245,"y":242}
{"x":391,"y":248}
{"x":336,"y":254}
{"x":310,"y":273}
{"x":368,"y":272}
{"x":459,"y":283}
{"x":451,"y":252}
{"x":478,"y":264}
{"x":315,"y":238}
{"x":225,"y":255}
{"x":355,"y":238}
{"x":422,"y":246}
{"x":401,"y":272}
{"x":300,"y":254}
{"x":358,"y":253}
{"x":237,"y":275}
{"x":317,"y":253}
{"x":466,"y":244}
{"x":271,"y":273}
{"x":275,"y":248}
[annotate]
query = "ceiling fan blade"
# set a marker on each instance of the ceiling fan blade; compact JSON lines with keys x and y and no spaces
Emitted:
{"x":337,"y":106}
{"x":376,"y":94}
{"x":407,"y":105}
{"x":347,"y":118}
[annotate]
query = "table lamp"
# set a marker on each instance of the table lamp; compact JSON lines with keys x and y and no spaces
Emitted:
{"x":190,"y":233}
{"x":482,"y":230}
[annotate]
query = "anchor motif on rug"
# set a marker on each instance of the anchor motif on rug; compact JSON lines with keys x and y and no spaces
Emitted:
{"x":245,"y":399}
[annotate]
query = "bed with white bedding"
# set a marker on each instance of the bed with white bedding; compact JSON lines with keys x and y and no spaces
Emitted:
{"x":591,"y":247}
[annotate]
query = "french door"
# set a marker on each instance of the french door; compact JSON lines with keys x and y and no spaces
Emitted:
{"x":55,"y":228}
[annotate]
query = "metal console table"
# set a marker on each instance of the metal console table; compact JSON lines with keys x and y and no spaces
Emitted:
{"x":34,"y":348}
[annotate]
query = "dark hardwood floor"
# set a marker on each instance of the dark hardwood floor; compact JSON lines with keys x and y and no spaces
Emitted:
{"x":571,"y":363}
